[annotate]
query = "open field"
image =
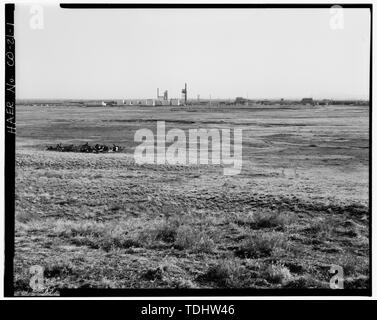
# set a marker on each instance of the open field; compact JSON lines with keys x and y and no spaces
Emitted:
{"x":299,"y":205}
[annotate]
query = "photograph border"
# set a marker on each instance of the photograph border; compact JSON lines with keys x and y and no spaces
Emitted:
{"x":10,"y":140}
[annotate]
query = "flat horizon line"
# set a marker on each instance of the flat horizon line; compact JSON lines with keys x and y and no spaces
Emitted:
{"x":195,"y":99}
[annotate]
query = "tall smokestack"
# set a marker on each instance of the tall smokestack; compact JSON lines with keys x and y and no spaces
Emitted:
{"x":158,"y":93}
{"x":185,"y":93}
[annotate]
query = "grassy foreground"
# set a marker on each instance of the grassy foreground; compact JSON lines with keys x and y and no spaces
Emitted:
{"x":102,"y":221}
{"x":299,"y":205}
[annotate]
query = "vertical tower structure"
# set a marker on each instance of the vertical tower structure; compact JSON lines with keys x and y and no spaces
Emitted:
{"x":184,"y":94}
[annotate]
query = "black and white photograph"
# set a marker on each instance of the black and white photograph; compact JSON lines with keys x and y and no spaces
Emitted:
{"x":197,"y":150}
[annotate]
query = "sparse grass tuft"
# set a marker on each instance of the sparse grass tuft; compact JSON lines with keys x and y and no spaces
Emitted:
{"x":167,"y":231}
{"x":262,"y":245}
{"x":270,"y":220}
{"x":96,"y":235}
{"x":58,"y":269}
{"x":264,"y":219}
{"x":218,"y":273}
{"x":278,"y":273}
{"x":73,"y":229}
{"x":320,"y":229}
{"x":224,"y":274}
{"x":153,"y":274}
{"x":205,"y":244}
{"x":189,"y":238}
{"x":186,"y":238}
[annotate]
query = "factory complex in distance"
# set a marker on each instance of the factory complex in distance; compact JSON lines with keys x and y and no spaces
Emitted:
{"x":164,"y":100}
{"x":160,"y":100}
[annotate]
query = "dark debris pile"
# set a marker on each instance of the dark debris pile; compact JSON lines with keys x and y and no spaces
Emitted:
{"x":85,"y":148}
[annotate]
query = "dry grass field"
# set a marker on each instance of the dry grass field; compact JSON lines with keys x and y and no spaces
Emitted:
{"x":299,"y":205}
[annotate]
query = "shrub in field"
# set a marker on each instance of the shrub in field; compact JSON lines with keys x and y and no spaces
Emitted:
{"x":186,"y":238}
{"x":278,"y":273}
{"x":241,"y":218}
{"x":219,"y":273}
{"x":153,"y":274}
{"x":167,"y":231}
{"x":225,"y":274}
{"x":159,"y":231}
{"x":83,"y":229}
{"x":115,"y":239}
{"x":263,"y":219}
{"x":269,"y":220}
{"x":58,"y":269}
{"x":262,"y":245}
{"x":189,"y":238}
{"x":321,"y":229}
{"x":96,"y":235}
{"x":205,"y":244}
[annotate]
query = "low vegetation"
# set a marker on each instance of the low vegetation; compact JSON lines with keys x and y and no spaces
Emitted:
{"x":102,"y":221}
{"x":263,"y":245}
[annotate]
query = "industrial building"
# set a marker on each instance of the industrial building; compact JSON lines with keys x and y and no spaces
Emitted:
{"x":175,"y":102}
{"x":160,"y":100}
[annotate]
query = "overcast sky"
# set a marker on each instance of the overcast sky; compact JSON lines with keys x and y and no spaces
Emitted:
{"x":128,"y":53}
